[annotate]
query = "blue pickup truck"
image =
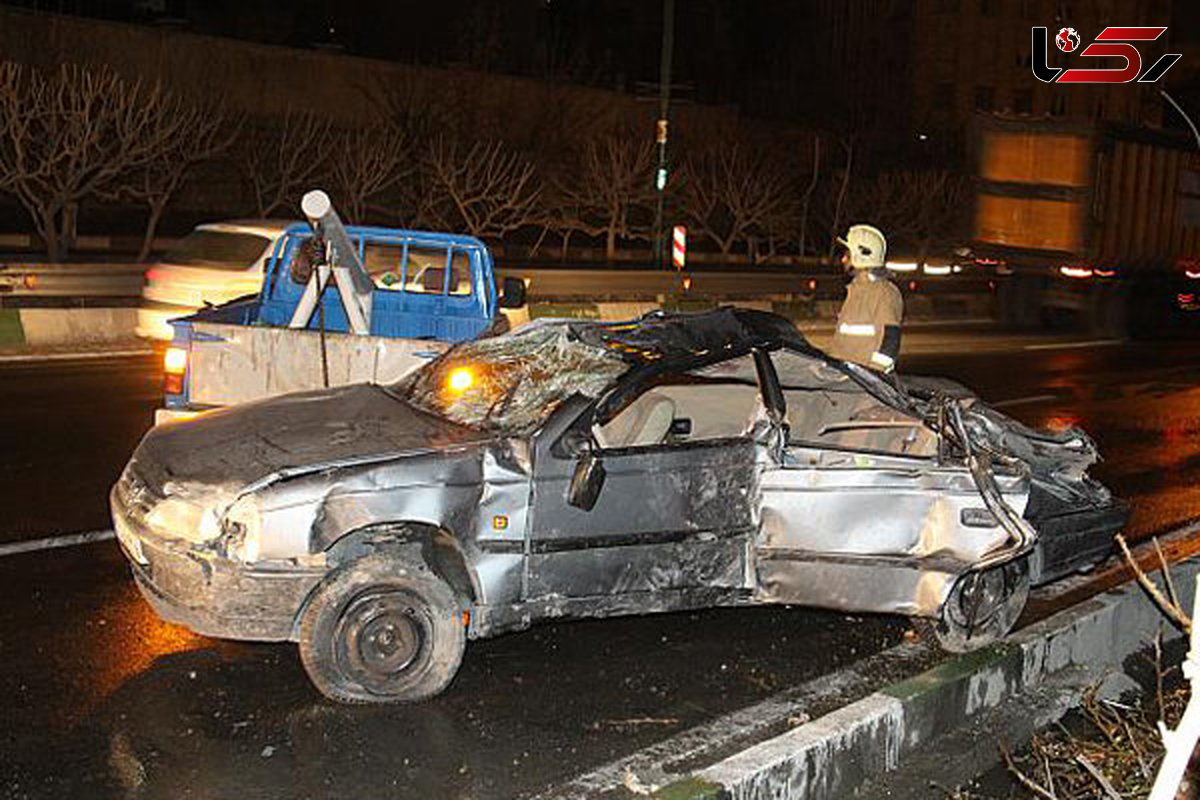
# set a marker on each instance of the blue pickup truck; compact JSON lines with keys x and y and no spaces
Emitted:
{"x":421,"y":292}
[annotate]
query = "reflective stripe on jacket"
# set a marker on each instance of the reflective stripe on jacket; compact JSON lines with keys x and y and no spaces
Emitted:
{"x":873,"y":304}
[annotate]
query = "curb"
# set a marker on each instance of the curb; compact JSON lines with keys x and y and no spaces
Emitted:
{"x":118,"y":350}
{"x":830,"y":756}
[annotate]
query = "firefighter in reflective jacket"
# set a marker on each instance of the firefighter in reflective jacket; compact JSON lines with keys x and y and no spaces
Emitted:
{"x":868,"y":326}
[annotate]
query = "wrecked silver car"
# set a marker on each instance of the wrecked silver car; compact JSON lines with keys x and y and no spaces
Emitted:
{"x":584,"y":469}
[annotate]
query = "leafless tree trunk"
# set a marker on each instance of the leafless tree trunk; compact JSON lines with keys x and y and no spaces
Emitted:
{"x":917,"y":210}
{"x":606,"y":188}
{"x":367,"y":162}
{"x":69,"y":135}
{"x":733,"y":197}
{"x":836,"y":229}
{"x":806,"y":198}
{"x":281,"y":163}
{"x":195,"y":134}
{"x":485,"y":189}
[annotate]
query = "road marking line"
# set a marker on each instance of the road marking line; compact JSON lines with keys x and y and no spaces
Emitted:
{"x":87,"y":354}
{"x":1074,"y":345}
{"x":50,"y":542}
{"x":1019,"y":401}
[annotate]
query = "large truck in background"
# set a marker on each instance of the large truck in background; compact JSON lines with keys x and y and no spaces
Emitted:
{"x":1097,"y":226}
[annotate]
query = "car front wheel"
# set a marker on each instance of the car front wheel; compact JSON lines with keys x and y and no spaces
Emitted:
{"x":382,"y":630}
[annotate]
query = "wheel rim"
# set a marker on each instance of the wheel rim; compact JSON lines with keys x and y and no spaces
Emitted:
{"x":986,"y":605}
{"x":381,"y":637}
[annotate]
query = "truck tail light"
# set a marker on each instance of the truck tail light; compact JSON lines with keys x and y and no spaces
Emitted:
{"x":174,"y":369}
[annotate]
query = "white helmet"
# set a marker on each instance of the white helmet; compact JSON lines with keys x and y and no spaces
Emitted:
{"x":868,"y":248}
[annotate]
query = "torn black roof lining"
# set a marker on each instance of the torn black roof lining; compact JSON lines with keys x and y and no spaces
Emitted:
{"x":666,"y":337}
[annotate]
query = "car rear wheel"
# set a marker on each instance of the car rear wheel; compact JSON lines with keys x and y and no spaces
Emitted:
{"x":382,"y":630}
{"x":982,"y":607}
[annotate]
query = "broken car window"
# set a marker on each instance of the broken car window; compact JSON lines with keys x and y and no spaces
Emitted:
{"x":512,"y":383}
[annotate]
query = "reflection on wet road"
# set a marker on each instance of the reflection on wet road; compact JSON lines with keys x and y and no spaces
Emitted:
{"x":104,"y":700}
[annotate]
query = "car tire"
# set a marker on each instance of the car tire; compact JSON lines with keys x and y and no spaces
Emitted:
{"x":382,"y":629}
{"x":981,"y":609}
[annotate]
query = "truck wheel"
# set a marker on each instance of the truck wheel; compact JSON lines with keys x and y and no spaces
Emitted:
{"x":982,"y":607}
{"x":382,"y":630}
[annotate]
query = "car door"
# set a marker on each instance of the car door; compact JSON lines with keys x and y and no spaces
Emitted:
{"x":859,"y":512}
{"x":674,"y":513}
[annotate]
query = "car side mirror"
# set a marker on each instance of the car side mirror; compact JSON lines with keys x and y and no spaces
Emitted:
{"x":586,"y":482}
{"x":512,"y":293}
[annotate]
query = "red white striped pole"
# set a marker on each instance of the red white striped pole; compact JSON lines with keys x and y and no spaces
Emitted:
{"x":679,"y":250}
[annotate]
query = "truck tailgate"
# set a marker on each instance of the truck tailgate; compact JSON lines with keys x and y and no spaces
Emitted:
{"x":238,"y":363}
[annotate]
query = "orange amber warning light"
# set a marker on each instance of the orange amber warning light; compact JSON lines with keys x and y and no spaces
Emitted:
{"x":460,"y":379}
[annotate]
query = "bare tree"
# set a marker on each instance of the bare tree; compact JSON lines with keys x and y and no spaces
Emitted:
{"x":839,"y":205}
{"x":806,"y":197}
{"x":193,"y":135}
{"x":486,"y":189}
{"x":366,"y":162}
{"x":68,"y":135}
{"x":602,"y":192}
{"x":916,"y":208}
{"x":283,"y":161}
{"x":733,"y":197}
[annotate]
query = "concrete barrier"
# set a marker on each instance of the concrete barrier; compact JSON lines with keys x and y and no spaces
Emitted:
{"x":53,"y":327}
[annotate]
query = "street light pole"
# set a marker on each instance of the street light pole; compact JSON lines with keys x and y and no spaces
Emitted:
{"x":664,"y":105}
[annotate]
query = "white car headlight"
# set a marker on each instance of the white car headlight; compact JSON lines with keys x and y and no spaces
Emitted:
{"x":178,"y":518}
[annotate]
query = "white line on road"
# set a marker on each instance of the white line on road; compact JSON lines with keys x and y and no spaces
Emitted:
{"x":49,"y":542}
{"x":1020,"y":401}
{"x":146,"y":351}
{"x":1074,"y":345}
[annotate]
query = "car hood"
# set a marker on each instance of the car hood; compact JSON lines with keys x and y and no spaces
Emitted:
{"x":288,"y":435}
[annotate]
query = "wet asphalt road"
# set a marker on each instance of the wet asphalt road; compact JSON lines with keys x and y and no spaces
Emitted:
{"x":100,"y":699}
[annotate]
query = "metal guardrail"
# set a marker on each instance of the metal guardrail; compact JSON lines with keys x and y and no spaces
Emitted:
{"x":21,"y":281}
{"x":111,"y":283}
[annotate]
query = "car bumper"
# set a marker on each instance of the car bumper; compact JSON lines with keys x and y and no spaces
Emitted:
{"x":211,"y":595}
{"x":1075,"y":540}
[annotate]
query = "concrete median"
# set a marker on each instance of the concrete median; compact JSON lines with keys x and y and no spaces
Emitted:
{"x":833,"y":754}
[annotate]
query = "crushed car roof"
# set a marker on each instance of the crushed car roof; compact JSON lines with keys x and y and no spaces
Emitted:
{"x":683,"y":337}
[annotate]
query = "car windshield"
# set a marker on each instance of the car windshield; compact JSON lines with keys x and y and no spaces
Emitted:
{"x":512,"y":383}
{"x":218,"y":249}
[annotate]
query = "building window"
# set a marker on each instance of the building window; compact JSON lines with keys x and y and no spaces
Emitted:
{"x":985,"y":98}
{"x":943,"y":96}
{"x":1023,"y":101}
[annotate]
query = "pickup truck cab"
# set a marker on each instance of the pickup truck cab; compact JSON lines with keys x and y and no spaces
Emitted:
{"x":430,"y":290}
